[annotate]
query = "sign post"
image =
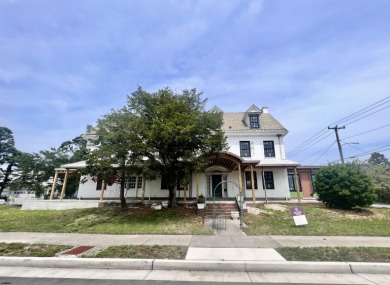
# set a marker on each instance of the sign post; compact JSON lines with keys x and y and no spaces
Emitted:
{"x":299,"y":216}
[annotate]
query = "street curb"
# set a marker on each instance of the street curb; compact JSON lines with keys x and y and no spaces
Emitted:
{"x":198,"y":265}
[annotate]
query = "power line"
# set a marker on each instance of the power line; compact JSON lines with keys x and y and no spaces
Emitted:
{"x":367,"y":132}
{"x":306,"y":142}
{"x":361,"y":111}
{"x":315,"y":139}
{"x":368,"y":115}
{"x":323,"y":153}
{"x":307,"y":157}
{"x":349,"y":144}
{"x":381,"y":149}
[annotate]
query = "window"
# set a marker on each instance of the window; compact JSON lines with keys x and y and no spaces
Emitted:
{"x":269,"y":180}
{"x":139,"y":182}
{"x":269,"y":150}
{"x":248,"y":179}
{"x":291,"y":181}
{"x":245,"y":149}
{"x":130,"y":182}
{"x":254,"y":121}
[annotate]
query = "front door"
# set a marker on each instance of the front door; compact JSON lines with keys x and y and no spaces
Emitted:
{"x":216,"y":179}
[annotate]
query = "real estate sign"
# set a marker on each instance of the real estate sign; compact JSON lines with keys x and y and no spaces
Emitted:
{"x":299,"y":216}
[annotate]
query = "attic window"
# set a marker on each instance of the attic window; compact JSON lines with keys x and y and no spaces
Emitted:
{"x":254,"y":121}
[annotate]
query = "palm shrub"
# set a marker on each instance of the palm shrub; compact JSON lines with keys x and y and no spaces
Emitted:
{"x":344,"y":186}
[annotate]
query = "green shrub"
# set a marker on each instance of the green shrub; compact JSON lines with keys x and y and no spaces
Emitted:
{"x":380,"y":175}
{"x":383,"y":192}
{"x":344,"y":186}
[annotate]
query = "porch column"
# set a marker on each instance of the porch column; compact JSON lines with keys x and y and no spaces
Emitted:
{"x":239,"y":176}
{"x":54,"y":185}
{"x":253,"y":185}
{"x":143,"y":189}
{"x":64,"y":185}
{"x":102,"y":190}
{"x":297,"y":184}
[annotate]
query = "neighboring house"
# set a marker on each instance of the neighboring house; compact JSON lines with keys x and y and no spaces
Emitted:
{"x":255,"y":160}
{"x":305,"y":176}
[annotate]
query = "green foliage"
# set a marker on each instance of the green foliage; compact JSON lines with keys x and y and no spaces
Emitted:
{"x":201,"y":199}
{"x":27,"y":250}
{"x":380,"y":175}
{"x":110,"y":220}
{"x":321,"y":221}
{"x":117,"y":144}
{"x":8,"y":157}
{"x":176,"y":132}
{"x":344,"y":186}
{"x":378,"y":159}
{"x":144,"y":251}
{"x":341,"y":254}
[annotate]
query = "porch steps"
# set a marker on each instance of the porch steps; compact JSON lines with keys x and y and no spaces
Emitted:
{"x":221,"y":208}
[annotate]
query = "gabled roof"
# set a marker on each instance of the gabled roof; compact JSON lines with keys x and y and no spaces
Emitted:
{"x":215,"y":109}
{"x":253,"y":109}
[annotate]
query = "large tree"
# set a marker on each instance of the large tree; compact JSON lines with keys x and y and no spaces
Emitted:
{"x":176,"y":132}
{"x":117,"y":152}
{"x":34,"y":170}
{"x":378,"y":159}
{"x":8,"y":157}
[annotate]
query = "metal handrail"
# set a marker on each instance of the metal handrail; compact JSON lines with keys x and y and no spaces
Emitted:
{"x":240,"y":202}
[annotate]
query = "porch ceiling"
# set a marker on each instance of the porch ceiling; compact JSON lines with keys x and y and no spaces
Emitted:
{"x":225,"y":162}
{"x":231,"y":161}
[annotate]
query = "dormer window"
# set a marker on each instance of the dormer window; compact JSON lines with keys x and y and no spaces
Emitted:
{"x":254,"y":121}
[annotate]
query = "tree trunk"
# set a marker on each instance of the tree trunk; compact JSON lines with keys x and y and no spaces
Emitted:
{"x":172,"y":197}
{"x":122,"y":190}
{"x":6,"y":179}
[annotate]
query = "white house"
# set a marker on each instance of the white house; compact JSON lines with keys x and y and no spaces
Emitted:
{"x":255,"y":161}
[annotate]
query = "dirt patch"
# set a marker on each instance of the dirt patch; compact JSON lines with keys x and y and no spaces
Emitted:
{"x":359,"y":214}
{"x":89,"y":220}
{"x":276,"y":207}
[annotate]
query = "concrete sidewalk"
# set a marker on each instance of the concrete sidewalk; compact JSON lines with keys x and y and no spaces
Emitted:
{"x":232,"y":237}
{"x":229,"y":253}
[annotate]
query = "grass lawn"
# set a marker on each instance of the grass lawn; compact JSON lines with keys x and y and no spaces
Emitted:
{"x":26,"y":249}
{"x":351,"y":254}
{"x":321,"y":221}
{"x":144,"y":251}
{"x":110,"y":220}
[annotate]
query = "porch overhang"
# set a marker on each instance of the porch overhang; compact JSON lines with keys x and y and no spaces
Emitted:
{"x":231,"y":161}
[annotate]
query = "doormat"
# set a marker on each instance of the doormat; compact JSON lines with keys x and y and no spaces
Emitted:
{"x":78,"y":250}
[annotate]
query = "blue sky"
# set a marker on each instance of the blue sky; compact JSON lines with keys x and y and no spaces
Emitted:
{"x":64,"y":64}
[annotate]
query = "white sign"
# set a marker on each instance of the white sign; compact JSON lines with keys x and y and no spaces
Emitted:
{"x":300,"y":220}
{"x":299,"y":216}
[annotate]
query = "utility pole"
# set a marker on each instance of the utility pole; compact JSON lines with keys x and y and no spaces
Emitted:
{"x":336,"y":128}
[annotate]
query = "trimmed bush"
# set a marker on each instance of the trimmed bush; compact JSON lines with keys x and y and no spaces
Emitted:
{"x":344,"y":186}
